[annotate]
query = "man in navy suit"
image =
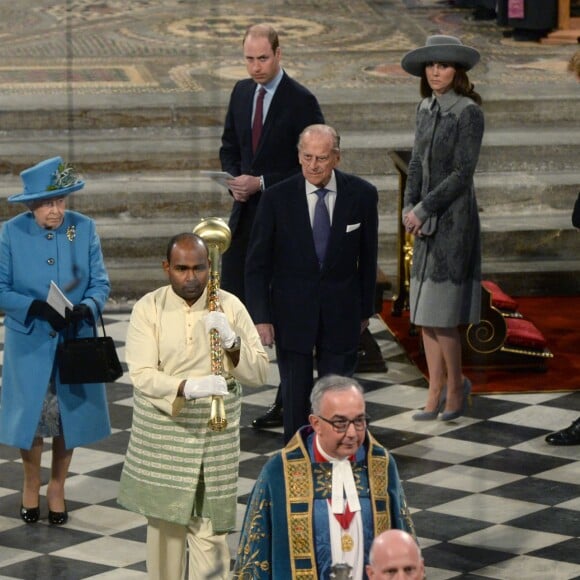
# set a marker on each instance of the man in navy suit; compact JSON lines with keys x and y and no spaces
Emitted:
{"x":287,"y":109}
{"x":304,"y":300}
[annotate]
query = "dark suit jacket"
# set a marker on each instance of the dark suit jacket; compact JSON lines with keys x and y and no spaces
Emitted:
{"x":284,"y":284}
{"x":292,"y":109}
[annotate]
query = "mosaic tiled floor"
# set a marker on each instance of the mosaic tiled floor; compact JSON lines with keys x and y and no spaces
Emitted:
{"x":84,"y":47}
{"x":490,"y":499}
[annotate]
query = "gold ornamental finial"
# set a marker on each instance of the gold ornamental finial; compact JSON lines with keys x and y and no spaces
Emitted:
{"x":217,"y":235}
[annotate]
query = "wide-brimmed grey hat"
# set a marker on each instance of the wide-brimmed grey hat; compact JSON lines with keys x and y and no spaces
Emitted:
{"x":49,"y":178}
{"x":440,"y":48}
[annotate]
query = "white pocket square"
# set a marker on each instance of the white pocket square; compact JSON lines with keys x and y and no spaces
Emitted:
{"x":352,"y":227}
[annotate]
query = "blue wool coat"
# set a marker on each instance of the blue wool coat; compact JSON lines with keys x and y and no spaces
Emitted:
{"x":30,"y":257}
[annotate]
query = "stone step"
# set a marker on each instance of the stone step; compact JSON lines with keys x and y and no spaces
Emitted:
{"x":525,"y":150}
{"x":391,"y":107}
{"x":141,"y":167}
{"x":363,"y":152}
{"x":131,"y":277}
{"x":546,"y":236}
{"x":527,"y":251}
{"x":522,"y":250}
{"x":527,"y":191}
{"x":503,"y":235}
{"x":175,"y":193}
{"x":499,"y":114}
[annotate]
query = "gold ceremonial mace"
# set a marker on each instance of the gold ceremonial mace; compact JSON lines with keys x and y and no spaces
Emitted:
{"x":217,"y":235}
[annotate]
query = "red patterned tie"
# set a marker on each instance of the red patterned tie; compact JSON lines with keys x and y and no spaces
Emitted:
{"x":257,"y":124}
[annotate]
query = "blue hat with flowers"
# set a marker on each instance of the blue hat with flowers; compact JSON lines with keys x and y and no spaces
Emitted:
{"x":49,"y":178}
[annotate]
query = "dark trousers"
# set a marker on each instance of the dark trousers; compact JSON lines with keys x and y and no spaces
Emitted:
{"x":234,"y":259}
{"x":297,"y":379}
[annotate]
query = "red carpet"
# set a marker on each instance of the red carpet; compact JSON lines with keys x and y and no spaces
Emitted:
{"x":558,"y":318}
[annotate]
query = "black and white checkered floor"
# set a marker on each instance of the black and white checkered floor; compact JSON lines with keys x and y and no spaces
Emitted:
{"x":490,"y":499}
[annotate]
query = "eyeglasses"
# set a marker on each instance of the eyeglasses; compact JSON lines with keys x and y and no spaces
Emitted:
{"x":342,"y":425}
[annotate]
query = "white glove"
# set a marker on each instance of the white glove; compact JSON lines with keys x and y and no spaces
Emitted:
{"x":219,"y":321}
{"x":205,"y":386}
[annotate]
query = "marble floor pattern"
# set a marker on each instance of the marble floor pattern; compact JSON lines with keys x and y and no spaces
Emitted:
{"x":489,"y":498}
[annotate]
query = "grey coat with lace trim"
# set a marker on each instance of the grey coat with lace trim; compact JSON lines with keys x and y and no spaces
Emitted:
{"x":446,"y":272}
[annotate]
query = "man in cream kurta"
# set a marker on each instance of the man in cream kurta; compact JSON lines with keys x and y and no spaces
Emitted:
{"x":178,"y":473}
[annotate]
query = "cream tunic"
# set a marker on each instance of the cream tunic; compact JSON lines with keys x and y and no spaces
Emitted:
{"x":175,"y":466}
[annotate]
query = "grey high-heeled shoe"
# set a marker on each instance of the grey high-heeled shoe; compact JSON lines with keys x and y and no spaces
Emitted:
{"x":451,"y":415}
{"x":425,"y":415}
{"x":432,"y":415}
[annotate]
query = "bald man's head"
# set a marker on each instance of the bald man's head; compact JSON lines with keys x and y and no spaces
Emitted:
{"x":395,"y":555}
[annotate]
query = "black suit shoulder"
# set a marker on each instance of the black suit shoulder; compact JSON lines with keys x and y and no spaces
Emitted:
{"x":294,"y":101}
{"x":288,"y":83}
{"x":293,"y":182}
{"x":350,"y":181}
{"x":244,"y":85}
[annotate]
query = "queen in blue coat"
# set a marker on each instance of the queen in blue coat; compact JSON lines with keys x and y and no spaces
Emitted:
{"x":48,"y":243}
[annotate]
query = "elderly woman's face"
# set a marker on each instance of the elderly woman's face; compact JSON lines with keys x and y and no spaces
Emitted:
{"x":49,"y":213}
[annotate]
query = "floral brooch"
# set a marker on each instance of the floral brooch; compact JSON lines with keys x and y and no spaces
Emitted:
{"x":71,"y":233}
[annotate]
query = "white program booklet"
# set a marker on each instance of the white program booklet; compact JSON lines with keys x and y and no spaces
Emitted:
{"x":58,"y":300}
{"x":221,"y":177}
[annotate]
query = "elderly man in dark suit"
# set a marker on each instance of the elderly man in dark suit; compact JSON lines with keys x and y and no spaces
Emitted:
{"x":311,"y":269}
{"x":259,"y":139}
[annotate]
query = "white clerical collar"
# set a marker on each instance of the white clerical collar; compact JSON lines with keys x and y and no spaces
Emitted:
{"x":342,"y":483}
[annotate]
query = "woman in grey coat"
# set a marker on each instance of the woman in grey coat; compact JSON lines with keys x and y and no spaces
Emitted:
{"x":440,"y":210}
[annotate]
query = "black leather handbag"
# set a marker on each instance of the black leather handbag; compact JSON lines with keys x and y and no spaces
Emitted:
{"x":89,"y":360}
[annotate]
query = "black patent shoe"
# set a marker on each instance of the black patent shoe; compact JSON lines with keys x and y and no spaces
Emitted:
{"x":29,"y":515}
{"x":58,"y":518}
{"x":568,"y":436}
{"x":272,"y":418}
